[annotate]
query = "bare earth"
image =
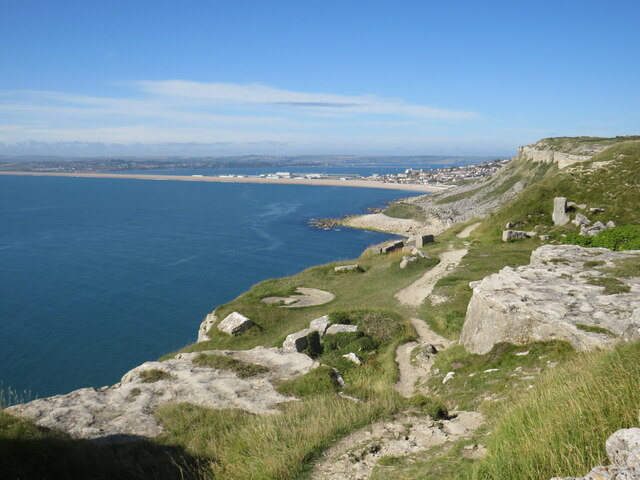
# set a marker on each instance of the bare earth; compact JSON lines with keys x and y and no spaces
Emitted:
{"x":419,"y":371}
{"x":282,"y":181}
{"x":467,"y":231}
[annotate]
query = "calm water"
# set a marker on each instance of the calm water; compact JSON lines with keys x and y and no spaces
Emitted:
{"x":98,"y":276}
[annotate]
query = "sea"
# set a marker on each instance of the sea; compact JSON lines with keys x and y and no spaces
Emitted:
{"x":100,"y":275}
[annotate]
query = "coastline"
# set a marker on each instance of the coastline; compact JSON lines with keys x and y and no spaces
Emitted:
{"x":259,"y":180}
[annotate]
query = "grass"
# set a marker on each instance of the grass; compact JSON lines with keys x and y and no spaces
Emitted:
{"x":221,"y":362}
{"x":153,"y":375}
{"x":594,"y":329}
{"x":611,"y":285}
{"x":574,"y":409}
{"x":405,"y":210}
{"x":628,"y":267}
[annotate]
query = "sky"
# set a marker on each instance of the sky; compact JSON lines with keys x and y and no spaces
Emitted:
{"x":298,"y":77}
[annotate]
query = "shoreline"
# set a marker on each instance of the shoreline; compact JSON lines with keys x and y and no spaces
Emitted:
{"x":257,"y":180}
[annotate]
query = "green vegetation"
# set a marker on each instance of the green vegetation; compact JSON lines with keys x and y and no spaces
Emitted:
{"x":593,"y":263}
{"x":405,"y":210}
{"x":220,"y":362}
{"x":625,"y":237}
{"x":153,"y":375}
{"x":595,"y":329}
{"x":574,"y":409}
{"x":629,"y":267}
{"x":612,"y":286}
{"x":576,"y":145}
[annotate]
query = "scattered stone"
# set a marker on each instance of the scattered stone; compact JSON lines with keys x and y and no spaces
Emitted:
{"x":581,"y":220}
{"x":623,"y":450}
{"x":610,"y":224}
{"x":510,"y":235}
{"x":297,"y":342}
{"x":474,"y":452}
{"x":511,"y":225}
{"x":593,"y":230}
{"x":419,"y":240}
{"x":448,"y":377}
{"x":532,"y":233}
{"x":596,"y":210}
{"x":340,"y":328}
{"x":338,"y":378}
{"x":546,"y":300}
{"x":522,"y":354}
{"x":234,"y":324}
{"x":559,"y":215}
{"x":490,"y":370}
{"x":348,"y":268}
{"x":353,"y":357}
{"x":320,"y":325}
{"x":545,"y":237}
{"x":407,"y":260}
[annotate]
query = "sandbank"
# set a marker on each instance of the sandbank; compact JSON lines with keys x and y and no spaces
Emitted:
{"x":280,"y":181}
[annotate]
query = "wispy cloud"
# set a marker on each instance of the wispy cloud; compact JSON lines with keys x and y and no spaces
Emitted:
{"x":262,"y":94}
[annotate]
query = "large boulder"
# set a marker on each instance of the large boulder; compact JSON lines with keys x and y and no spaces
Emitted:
{"x":234,"y":324}
{"x":511,"y":235}
{"x":556,"y":297}
{"x":559,"y":215}
{"x":297,"y":342}
{"x":419,"y":240}
{"x":623,"y":450}
{"x":320,"y":324}
{"x":340,"y":328}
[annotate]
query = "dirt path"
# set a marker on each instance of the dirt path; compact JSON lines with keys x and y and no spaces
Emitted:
{"x":415,"y":373}
{"x":415,"y":294}
{"x":467,"y":231}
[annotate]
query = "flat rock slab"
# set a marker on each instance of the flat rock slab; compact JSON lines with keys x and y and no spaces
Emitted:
{"x":553,"y":299}
{"x":125,"y":410}
{"x":306,"y":297}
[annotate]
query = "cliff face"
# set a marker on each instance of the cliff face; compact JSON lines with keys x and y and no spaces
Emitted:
{"x":537,"y":153}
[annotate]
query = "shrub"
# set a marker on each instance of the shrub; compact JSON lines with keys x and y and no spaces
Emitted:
{"x":624,"y":237}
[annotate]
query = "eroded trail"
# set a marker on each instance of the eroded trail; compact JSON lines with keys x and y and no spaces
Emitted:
{"x":416,"y":371}
{"x":415,"y":294}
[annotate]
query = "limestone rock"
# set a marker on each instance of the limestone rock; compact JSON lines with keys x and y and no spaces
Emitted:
{"x":419,"y":240}
{"x":511,"y":225}
{"x":623,"y":450}
{"x":560,"y":216}
{"x":407,"y":260}
{"x":392,"y":246}
{"x":596,"y":210}
{"x":353,"y":357}
{"x":125,"y":410}
{"x":206,"y":325}
{"x":347,"y":268}
{"x":581,"y":220}
{"x":340,"y":328}
{"x":593,"y":230}
{"x":320,"y":324}
{"x":234,"y":324}
{"x":510,"y":235}
{"x":552,"y":300}
{"x":297,"y":342}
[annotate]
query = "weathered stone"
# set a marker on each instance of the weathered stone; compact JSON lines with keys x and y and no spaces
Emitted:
{"x":596,"y":210}
{"x":610,"y":224}
{"x":125,"y":410}
{"x":407,"y":260}
{"x":511,"y":225}
{"x":545,"y":237}
{"x":623,"y":450}
{"x":510,"y":235}
{"x":353,"y":357}
{"x":347,"y":268}
{"x":559,"y":215}
{"x":340,"y":328}
{"x":549,"y":300}
{"x":593,"y":230}
{"x":581,"y":220}
{"x":297,"y":342}
{"x":391,"y":246}
{"x":375,"y":250}
{"x":234,"y":324}
{"x":208,"y":322}
{"x":320,"y":325}
{"x":419,"y":240}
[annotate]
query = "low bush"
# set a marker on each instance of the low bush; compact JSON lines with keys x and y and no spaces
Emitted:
{"x":624,"y":237}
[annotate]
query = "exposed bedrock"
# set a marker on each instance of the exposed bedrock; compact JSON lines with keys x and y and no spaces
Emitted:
{"x":567,"y":293}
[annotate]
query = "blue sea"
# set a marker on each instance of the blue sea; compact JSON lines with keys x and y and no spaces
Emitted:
{"x":100,"y":275}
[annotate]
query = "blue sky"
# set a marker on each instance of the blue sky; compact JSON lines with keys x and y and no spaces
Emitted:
{"x":331,"y":77}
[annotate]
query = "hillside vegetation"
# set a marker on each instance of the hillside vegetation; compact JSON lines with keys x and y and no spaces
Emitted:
{"x":570,"y":401}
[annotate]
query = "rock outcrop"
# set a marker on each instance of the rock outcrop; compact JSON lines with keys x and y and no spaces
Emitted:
{"x":623,"y":450}
{"x":537,"y":153}
{"x":125,"y":410}
{"x":559,"y":215}
{"x":560,"y":296}
{"x":234,"y":324}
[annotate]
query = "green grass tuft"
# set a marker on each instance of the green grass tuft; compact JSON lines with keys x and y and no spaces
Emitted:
{"x":153,"y":375}
{"x":221,"y":362}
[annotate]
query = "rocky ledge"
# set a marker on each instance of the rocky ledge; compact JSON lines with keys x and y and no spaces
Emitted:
{"x":567,"y":292}
{"x":125,"y":410}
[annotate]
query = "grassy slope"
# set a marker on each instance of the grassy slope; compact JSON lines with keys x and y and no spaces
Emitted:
{"x":235,"y":444}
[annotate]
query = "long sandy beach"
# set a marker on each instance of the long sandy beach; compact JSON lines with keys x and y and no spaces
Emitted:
{"x":280,"y":181}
